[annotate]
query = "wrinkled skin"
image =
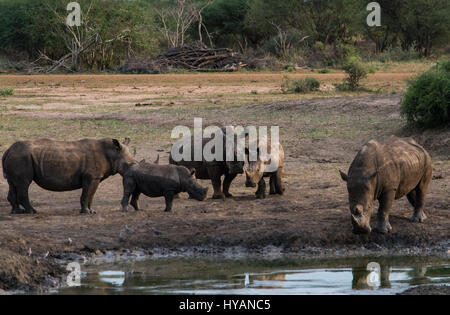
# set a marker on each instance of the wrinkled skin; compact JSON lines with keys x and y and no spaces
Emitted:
{"x":214,"y":170}
{"x":62,"y":166}
{"x":255,"y":172}
{"x":155,"y":180}
{"x":387,"y":170}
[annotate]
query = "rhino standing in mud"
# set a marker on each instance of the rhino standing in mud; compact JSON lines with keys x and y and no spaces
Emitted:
{"x":213,"y":170}
{"x":387,"y":170}
{"x":62,"y":166}
{"x":155,"y":180}
{"x":264,"y":166}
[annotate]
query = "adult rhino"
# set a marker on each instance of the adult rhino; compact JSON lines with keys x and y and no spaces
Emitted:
{"x":387,"y":170}
{"x":215,"y":169}
{"x":62,"y":166}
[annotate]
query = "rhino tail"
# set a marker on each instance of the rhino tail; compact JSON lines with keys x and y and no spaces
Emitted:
{"x":5,"y":155}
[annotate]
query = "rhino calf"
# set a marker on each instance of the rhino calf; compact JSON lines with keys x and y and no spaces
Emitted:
{"x":155,"y":180}
{"x":387,"y":170}
{"x":62,"y":166}
{"x":255,"y":171}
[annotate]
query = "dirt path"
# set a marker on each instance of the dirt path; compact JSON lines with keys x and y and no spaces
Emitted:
{"x":320,"y":137}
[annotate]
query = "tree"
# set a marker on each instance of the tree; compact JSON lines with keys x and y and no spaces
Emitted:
{"x":387,"y":34}
{"x":177,"y":19}
{"x":423,"y":24}
{"x":225,"y":21}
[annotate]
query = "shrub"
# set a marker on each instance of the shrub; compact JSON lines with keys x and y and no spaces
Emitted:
{"x":324,"y":70}
{"x":443,"y":65}
{"x":308,"y":84}
{"x":395,"y":54}
{"x":427,"y":101}
{"x":356,"y":71}
{"x":6,"y":92}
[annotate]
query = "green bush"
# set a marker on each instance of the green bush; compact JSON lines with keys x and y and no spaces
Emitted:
{"x":356,"y":71}
{"x":443,"y":65}
{"x":324,"y":70}
{"x":6,"y":92}
{"x":395,"y":54}
{"x":427,"y":101}
{"x":308,"y":84}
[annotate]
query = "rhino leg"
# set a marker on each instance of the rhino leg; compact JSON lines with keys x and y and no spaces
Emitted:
{"x":417,"y":199}
{"x":91,"y":193}
{"x":129,"y":186}
{"x":12,"y":198}
{"x":218,"y":194}
{"x":261,"y":192}
{"x":279,"y":189}
{"x":89,"y":188}
{"x":135,"y":200}
{"x":226,"y":184}
{"x":169,"y":200}
{"x":273,"y":189}
{"x":215,"y":174}
{"x":386,"y":201}
{"x":125,"y":200}
{"x":23,"y":198}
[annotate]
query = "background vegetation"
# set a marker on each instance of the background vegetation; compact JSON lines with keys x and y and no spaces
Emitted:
{"x":427,"y":101}
{"x":320,"y":33}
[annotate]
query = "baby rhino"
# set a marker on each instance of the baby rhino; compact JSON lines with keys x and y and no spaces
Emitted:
{"x":387,"y":170}
{"x":155,"y":180}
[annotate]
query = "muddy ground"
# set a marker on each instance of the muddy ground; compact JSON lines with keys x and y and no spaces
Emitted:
{"x":320,"y":134}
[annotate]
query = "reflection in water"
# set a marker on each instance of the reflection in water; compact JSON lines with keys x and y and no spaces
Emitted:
{"x":284,"y":276}
{"x":364,"y":279}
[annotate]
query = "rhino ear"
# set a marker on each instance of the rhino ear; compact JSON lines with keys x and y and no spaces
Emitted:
{"x":117,"y":144}
{"x":126,"y":141}
{"x":343,"y":176}
{"x":193,"y":172}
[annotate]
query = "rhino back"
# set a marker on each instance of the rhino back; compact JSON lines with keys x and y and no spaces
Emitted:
{"x":400,"y":164}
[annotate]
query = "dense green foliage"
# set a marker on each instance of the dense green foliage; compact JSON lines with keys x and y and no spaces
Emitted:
{"x":320,"y":33}
{"x":427,"y":101}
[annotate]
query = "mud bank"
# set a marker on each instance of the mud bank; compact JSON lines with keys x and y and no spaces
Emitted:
{"x":428,"y":290}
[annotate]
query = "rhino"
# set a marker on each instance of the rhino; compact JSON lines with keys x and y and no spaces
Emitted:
{"x":62,"y":166}
{"x":256,"y":170}
{"x":387,"y":170}
{"x":214,"y":170}
{"x":154,"y":180}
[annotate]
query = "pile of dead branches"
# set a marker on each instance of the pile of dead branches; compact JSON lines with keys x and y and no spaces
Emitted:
{"x":195,"y":56}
